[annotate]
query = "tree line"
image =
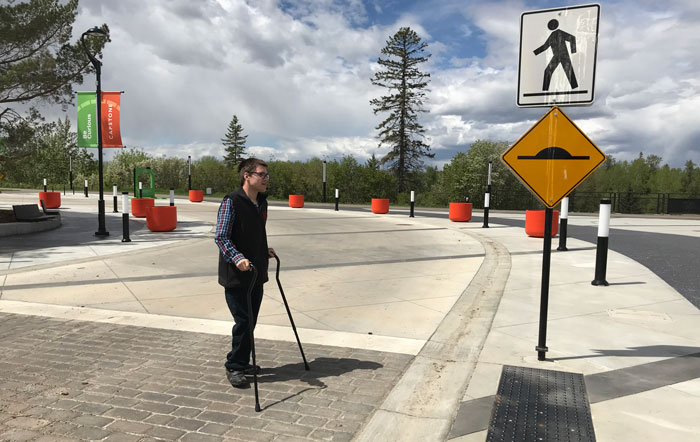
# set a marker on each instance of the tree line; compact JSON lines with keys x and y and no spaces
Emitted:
{"x":463,"y":178}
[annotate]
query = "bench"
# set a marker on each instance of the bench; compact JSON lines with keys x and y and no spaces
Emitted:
{"x":47,"y":212}
{"x":29,"y":212}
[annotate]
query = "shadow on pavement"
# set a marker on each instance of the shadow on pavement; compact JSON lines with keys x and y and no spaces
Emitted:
{"x":653,"y":351}
{"x":79,"y":229}
{"x":318,"y":368}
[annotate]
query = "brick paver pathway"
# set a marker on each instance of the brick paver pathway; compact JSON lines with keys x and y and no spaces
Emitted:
{"x":65,"y":380}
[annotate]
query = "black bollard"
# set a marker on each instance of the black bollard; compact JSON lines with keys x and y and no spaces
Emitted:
{"x":172,"y":196}
{"x":86,"y":189}
{"x":413,"y":203}
{"x":487,"y":198}
{"x":601,"y":254}
{"x":563,"y":222}
{"x":337,"y":199}
{"x":125,"y":217}
{"x":114,"y":194}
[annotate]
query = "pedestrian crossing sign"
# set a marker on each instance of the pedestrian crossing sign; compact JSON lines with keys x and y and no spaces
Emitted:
{"x":558,"y":50}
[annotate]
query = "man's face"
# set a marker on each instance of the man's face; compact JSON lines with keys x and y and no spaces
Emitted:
{"x":258,"y":180}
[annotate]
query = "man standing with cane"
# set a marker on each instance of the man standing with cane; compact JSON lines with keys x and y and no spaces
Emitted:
{"x":242,"y":241}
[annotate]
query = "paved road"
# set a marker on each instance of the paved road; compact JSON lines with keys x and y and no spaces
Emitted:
{"x":674,"y":258}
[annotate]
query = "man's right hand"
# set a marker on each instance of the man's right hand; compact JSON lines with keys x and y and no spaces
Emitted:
{"x":243,"y":265}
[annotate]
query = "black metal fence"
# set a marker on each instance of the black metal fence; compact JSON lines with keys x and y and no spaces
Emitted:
{"x":621,"y":202}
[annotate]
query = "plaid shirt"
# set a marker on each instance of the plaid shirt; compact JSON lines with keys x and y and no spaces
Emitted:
{"x":224,"y":223}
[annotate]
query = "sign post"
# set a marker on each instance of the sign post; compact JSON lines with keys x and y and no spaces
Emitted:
{"x":551,"y":159}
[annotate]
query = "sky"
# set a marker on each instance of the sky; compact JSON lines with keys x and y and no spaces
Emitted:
{"x":297,"y":74}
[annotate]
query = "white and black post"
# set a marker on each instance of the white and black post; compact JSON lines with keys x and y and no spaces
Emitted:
{"x":114,"y":195}
{"x":563,"y":222}
{"x":172,"y":196}
{"x":413,"y":204}
{"x":487,"y":198}
{"x":140,"y":189}
{"x":337,"y":199}
{"x":45,"y":185}
{"x":601,"y":255}
{"x":323,"y":196}
{"x":189,"y":172}
{"x":70,"y":173}
{"x":86,"y":189}
{"x":125,"y":217}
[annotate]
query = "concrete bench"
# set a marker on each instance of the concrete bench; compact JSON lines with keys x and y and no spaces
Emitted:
{"x":29,"y":212}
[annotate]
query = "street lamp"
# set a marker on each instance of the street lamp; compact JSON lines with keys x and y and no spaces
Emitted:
{"x":97,"y":64}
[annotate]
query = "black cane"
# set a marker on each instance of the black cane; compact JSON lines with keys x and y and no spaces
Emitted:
{"x":251,"y":326}
{"x":279,"y":284}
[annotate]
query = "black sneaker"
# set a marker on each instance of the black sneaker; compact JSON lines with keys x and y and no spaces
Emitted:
{"x":237,"y":379}
{"x":249,"y":370}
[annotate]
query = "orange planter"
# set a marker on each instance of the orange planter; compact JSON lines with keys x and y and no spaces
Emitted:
{"x":380,"y":205}
{"x":161,"y":218}
{"x":460,"y":212}
{"x":534,"y":223}
{"x":196,"y":196}
{"x":296,"y":201}
{"x":139,"y":206}
{"x":52,"y":200}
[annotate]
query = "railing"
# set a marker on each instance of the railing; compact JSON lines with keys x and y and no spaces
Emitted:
{"x":621,"y":202}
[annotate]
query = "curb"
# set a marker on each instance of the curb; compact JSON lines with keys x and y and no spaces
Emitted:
{"x":423,"y":404}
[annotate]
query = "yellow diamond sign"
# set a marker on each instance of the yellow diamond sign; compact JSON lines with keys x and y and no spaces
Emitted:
{"x":553,"y":157}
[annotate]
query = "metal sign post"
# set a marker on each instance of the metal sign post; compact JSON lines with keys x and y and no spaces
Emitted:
{"x":558,"y":51}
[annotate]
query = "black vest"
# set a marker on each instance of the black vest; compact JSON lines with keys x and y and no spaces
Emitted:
{"x":248,"y":237}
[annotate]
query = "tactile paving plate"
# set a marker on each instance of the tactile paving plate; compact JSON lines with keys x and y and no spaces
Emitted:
{"x":540,"y":405}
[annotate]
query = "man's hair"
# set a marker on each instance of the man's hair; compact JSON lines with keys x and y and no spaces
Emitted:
{"x":248,"y":166}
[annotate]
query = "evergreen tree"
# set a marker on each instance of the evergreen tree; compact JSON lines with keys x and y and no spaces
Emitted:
{"x":234,"y":140}
{"x":406,"y":85}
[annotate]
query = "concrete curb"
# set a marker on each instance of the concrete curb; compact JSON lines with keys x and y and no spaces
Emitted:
{"x":22,"y":228}
{"x":422,"y":405}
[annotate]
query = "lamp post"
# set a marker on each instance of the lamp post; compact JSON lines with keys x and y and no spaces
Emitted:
{"x":97,"y":64}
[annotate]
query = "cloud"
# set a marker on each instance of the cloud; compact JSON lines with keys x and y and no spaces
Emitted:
{"x":297,"y":74}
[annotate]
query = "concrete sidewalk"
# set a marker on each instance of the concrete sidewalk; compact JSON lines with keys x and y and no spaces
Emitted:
{"x":406,"y":322}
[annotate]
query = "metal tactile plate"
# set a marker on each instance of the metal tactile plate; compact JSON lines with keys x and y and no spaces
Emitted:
{"x":540,"y":405}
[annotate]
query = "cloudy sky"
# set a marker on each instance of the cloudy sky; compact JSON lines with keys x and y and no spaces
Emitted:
{"x":297,"y":74}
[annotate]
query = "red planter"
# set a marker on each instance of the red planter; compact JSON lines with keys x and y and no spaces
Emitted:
{"x":161,"y":218}
{"x":139,"y":206}
{"x":296,"y":201}
{"x":52,"y":200}
{"x":460,"y":212}
{"x":196,"y":196}
{"x":380,"y":205}
{"x":534,"y":223}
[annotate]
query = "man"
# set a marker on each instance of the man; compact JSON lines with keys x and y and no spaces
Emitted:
{"x":242,"y":241}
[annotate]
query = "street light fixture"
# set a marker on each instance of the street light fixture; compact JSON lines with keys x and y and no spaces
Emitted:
{"x":97,"y":64}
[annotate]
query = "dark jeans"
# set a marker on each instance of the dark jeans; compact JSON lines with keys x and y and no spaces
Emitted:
{"x":236,"y":298}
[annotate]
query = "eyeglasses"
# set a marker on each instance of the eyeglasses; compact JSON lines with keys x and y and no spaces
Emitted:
{"x":263,"y":175}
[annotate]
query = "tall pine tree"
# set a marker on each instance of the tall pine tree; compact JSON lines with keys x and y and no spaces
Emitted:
{"x":234,"y":140}
{"x":406,"y":86}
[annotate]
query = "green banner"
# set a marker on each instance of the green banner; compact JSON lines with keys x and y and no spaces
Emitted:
{"x":87,"y":119}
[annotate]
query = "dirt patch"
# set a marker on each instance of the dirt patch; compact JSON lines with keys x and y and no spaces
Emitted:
{"x":7,"y":216}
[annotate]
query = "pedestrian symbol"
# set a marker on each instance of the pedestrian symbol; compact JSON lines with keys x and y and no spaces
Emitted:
{"x":558,"y":49}
{"x":557,"y":42}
